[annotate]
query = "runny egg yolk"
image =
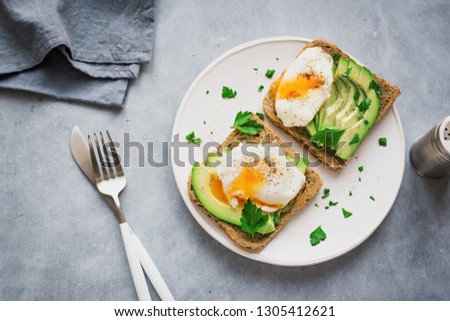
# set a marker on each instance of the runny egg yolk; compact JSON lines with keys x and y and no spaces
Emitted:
{"x":244,"y":186}
{"x":298,"y":86}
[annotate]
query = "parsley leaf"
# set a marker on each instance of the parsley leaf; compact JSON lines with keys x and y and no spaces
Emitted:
{"x":346,"y":213}
{"x":252,"y":218}
{"x":326,"y":193}
{"x":255,"y":69}
{"x":361,"y":168}
{"x":373,"y":85}
{"x":190,"y":138}
{"x":382,"y":141}
{"x":372,"y":198}
{"x":276,"y":217}
{"x":364,"y":105}
{"x":246,"y":125}
{"x":228,"y":92}
{"x":331,"y":203}
{"x":269,"y":73}
{"x":327,"y":207}
{"x":350,"y":193}
{"x":260,"y":116}
{"x":260,"y":88}
{"x":317,"y":236}
{"x":356,"y":97}
{"x":347,"y":72}
{"x":328,"y":137}
{"x":355,"y":139}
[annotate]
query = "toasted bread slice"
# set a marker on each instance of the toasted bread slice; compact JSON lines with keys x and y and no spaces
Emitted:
{"x":327,"y":156}
{"x":311,"y":187}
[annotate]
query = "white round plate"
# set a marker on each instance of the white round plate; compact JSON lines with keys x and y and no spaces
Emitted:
{"x":210,"y":117}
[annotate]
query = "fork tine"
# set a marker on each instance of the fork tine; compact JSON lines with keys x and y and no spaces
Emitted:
{"x":97,"y":174}
{"x":107,"y":158}
{"x":115,"y":156}
{"x":100,"y":158}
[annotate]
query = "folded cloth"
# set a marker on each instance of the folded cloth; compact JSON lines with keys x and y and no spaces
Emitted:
{"x":79,"y":50}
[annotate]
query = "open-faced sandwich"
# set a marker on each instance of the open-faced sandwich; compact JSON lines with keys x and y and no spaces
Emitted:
{"x":253,"y":184}
{"x":328,"y":102}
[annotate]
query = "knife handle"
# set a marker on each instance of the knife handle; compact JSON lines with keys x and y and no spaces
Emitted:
{"x":152,"y":271}
{"x":135,"y":266}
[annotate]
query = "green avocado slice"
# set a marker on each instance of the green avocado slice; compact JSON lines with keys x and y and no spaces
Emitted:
{"x":355,"y":109}
{"x":201,"y":178}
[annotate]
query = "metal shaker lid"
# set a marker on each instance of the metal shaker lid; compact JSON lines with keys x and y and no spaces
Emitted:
{"x":444,"y":134}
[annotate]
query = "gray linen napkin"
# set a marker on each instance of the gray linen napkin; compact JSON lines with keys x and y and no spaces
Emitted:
{"x":75,"y":49}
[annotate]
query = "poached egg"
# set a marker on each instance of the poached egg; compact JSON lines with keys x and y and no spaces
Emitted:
{"x":304,"y":87}
{"x":257,"y":172}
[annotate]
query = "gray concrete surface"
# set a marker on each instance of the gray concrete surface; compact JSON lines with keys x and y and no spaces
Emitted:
{"x":59,"y":241}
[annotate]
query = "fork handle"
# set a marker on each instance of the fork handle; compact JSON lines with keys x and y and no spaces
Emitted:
{"x":152,"y":271}
{"x":135,"y":266}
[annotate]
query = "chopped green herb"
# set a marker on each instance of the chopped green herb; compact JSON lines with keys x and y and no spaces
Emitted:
{"x":364,"y":105}
{"x":317,"y":236}
{"x":328,"y":137}
{"x":190,"y":138}
{"x":207,"y":92}
{"x":347,"y":72}
{"x":326,"y":193}
{"x":276,"y":217}
{"x":355,"y":139}
{"x":361,"y":168}
{"x":246,"y":125}
{"x":228,"y":92}
{"x":350,"y":193}
{"x":331,"y":203}
{"x":336,"y":57}
{"x":252,"y":218}
{"x":255,"y":69}
{"x":373,"y":85}
{"x":327,"y":207}
{"x":269,"y":73}
{"x":316,"y":205}
{"x":359,"y":179}
{"x":382,"y":141}
{"x":356,"y":97}
{"x":260,"y":88}
{"x":347,"y":214}
{"x":260,"y":116}
{"x":366,"y":122}
{"x":372,"y":198}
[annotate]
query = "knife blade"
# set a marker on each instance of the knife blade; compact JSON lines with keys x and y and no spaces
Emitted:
{"x":80,"y":152}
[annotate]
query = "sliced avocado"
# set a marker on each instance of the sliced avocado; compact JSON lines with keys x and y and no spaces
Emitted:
{"x":342,"y":66}
{"x":328,"y":114}
{"x":363,"y":125}
{"x":348,"y":115}
{"x":331,"y":101}
{"x":347,"y":106}
{"x":311,"y":128}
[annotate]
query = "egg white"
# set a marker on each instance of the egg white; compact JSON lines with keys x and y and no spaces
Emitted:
{"x":300,"y":111}
{"x":282,"y":180}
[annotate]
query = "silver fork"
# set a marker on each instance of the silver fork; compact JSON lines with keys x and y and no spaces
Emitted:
{"x":110,"y":181}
